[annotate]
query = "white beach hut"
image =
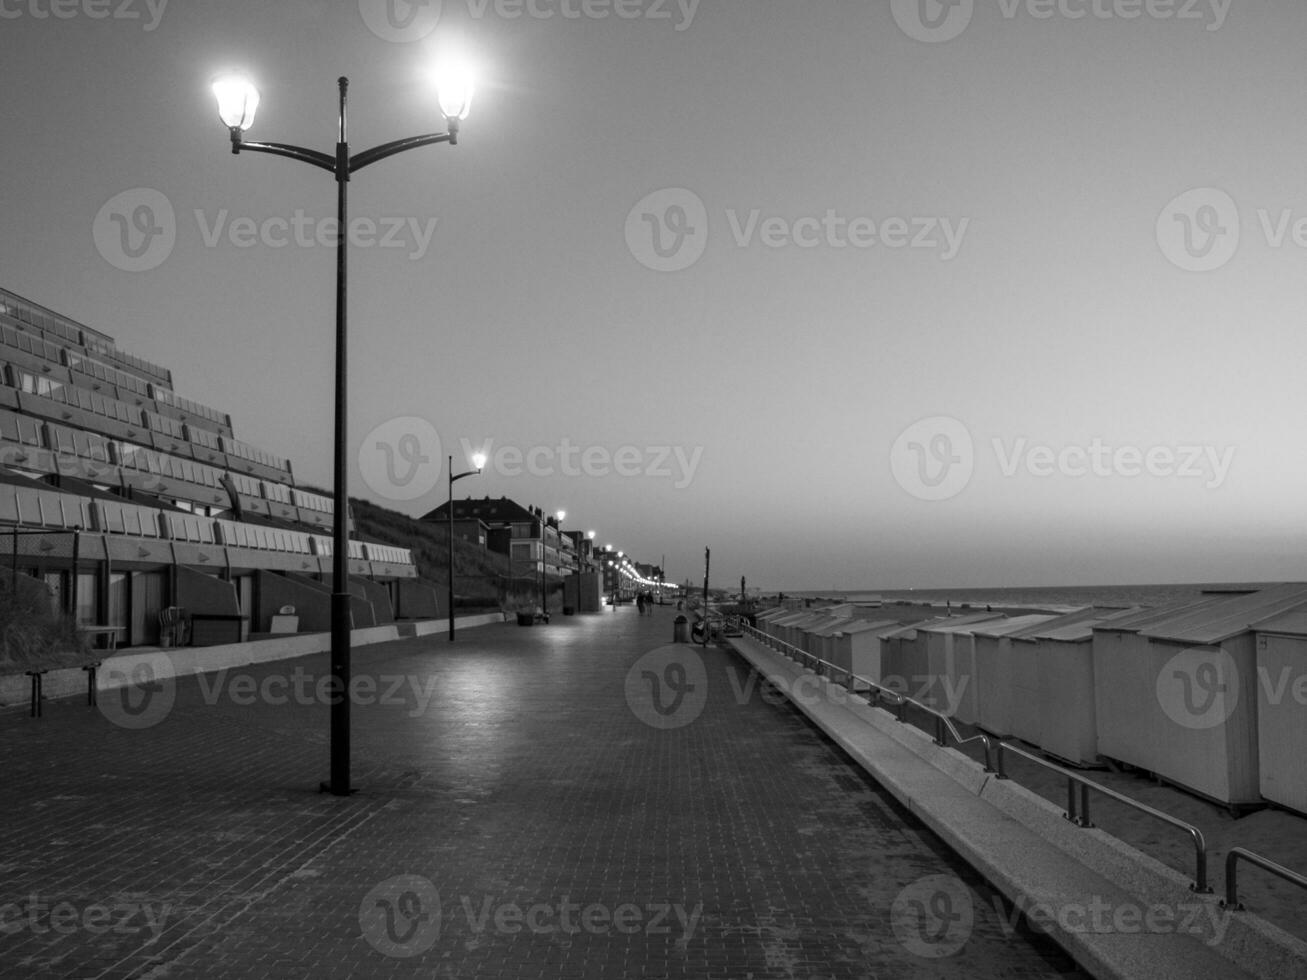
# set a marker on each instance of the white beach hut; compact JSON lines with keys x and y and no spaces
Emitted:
{"x":994,"y":674}
{"x":777,"y":626}
{"x":1282,"y":709}
{"x":811,"y":633}
{"x":793,"y":628}
{"x":1176,"y":696}
{"x":1066,"y":721}
{"x":950,"y":657}
{"x":937,"y":641}
{"x":980,"y":671}
{"x":855,"y":645}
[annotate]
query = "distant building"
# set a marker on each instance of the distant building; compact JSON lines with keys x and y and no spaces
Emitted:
{"x":524,"y":534}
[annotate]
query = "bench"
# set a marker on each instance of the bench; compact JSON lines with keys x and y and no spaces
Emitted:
{"x":110,"y":633}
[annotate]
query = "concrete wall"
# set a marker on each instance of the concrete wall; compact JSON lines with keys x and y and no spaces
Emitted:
{"x":420,"y":600}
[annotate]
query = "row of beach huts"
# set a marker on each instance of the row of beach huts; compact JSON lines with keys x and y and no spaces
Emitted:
{"x":1208,"y":694}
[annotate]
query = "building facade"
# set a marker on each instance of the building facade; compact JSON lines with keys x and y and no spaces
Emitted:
{"x":126,"y":498}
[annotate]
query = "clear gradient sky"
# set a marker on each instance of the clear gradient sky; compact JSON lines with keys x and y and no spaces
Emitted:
{"x":1077,"y":359}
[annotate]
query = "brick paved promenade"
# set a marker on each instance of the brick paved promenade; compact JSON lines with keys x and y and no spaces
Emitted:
{"x":526,"y":810}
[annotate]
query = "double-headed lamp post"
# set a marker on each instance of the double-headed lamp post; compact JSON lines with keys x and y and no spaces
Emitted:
{"x":478,"y":461}
{"x":238,"y":100}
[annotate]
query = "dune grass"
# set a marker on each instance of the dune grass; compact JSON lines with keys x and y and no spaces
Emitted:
{"x":32,"y":635}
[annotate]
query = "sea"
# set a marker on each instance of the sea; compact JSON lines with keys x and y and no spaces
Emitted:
{"x":1052,"y":598}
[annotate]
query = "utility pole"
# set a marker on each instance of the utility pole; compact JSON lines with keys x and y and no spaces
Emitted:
{"x":707,"y":622}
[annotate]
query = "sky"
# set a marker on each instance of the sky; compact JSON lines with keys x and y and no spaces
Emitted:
{"x":870,"y":295}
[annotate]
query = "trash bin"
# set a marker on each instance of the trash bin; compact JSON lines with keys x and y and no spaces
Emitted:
{"x":568,"y":611}
{"x":680,"y":630}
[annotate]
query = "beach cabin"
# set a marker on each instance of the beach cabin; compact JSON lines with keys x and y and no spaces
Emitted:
{"x":810,"y":633}
{"x":980,"y":673}
{"x":855,"y":645}
{"x":795,"y":630}
{"x":1176,"y":695}
{"x":905,"y":655}
{"x":950,"y":662}
{"x":1065,"y":723}
{"x":1282,"y":709}
{"x":775,"y":626}
{"x":1010,"y":669}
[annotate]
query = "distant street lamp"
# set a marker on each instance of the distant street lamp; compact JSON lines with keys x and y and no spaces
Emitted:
{"x":238,"y":100}
{"x":479,"y":461}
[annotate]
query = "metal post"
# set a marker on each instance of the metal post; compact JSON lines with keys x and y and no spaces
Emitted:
{"x":340,"y":601}
{"x":451,"y":549}
{"x":72,"y":591}
{"x":707,"y":563}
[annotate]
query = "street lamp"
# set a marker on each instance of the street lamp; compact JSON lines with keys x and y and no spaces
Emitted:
{"x":238,"y":100}
{"x":479,"y":461}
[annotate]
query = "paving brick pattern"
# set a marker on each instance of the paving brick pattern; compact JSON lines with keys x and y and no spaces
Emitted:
{"x":524,"y":811}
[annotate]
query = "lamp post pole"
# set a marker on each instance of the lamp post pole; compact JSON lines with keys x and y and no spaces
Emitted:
{"x":237,"y":102}
{"x":478,"y":461}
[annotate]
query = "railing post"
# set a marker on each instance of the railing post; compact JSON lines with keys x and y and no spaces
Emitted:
{"x":1085,"y":820}
{"x":1231,"y":883}
{"x":1071,"y":800}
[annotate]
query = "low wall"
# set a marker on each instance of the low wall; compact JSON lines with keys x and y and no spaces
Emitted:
{"x":71,"y":682}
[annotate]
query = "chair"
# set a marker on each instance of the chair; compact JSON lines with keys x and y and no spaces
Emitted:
{"x":174,"y":627}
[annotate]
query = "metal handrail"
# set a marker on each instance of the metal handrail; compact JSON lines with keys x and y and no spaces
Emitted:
{"x":943,"y":723}
{"x":1079,"y":816}
{"x":1231,"y":900}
